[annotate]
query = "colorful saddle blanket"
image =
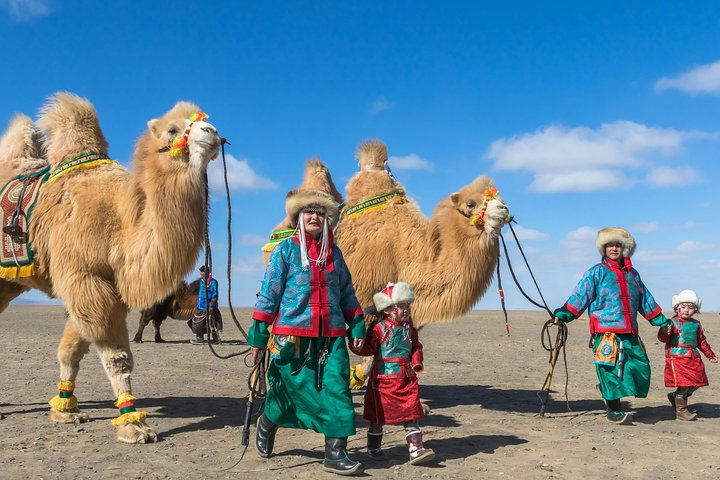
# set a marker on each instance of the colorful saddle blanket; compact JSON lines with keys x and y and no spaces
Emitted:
{"x":17,"y":200}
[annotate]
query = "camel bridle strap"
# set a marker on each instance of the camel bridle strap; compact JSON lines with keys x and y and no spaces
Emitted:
{"x":478,"y":219}
{"x":85,"y":160}
{"x":554,"y":349}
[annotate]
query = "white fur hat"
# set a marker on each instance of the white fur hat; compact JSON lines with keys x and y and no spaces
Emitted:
{"x":611,"y":235}
{"x":394,"y":293}
{"x":686,"y":296}
{"x":297,"y":200}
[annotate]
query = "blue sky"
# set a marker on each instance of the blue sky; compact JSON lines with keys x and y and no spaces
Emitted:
{"x":586,"y":114}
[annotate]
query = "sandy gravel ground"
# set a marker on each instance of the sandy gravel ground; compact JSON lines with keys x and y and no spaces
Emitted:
{"x":480,"y":384}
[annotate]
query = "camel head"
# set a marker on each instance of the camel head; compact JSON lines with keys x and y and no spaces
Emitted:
{"x":71,"y":126}
{"x":482,"y":206}
{"x":372,"y":155}
{"x":184,"y":134}
{"x":21,"y":148}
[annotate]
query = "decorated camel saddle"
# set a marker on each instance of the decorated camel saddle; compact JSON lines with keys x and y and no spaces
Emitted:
{"x":17,"y":200}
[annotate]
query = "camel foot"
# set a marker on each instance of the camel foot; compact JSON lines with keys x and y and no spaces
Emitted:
{"x":135,"y":433}
{"x":137,"y":339}
{"x":73,"y":416}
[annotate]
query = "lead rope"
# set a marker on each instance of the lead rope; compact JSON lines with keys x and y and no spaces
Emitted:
{"x":545,"y":338}
{"x":208,"y":261}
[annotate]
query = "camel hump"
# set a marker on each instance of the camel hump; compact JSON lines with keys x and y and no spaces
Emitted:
{"x":317,"y":177}
{"x":372,"y":155}
{"x":21,"y":140}
{"x":72,"y":127}
{"x":182,"y":109}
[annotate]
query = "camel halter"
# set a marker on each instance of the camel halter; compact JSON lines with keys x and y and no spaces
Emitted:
{"x":179,"y":144}
{"x":478,"y":219}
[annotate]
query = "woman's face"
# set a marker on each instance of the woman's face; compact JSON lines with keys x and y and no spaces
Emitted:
{"x":613,"y":251}
{"x":313,"y":220}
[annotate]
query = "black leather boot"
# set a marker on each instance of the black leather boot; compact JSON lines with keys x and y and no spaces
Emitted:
{"x":336,"y":457}
{"x":374,"y":446}
{"x":265,"y":436}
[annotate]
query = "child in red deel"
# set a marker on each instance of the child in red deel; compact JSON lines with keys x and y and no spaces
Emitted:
{"x":392,"y":395}
{"x":685,"y":339}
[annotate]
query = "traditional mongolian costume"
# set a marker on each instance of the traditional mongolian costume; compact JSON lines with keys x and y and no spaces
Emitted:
{"x":684,"y":369}
{"x":308,"y":298}
{"x":614,"y":294}
{"x":206,"y":312}
{"x":393,"y":395}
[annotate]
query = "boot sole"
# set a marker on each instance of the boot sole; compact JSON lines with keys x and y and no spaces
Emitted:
{"x":425,"y":458}
{"x":352,"y":471}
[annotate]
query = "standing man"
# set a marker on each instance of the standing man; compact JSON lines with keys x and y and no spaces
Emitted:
{"x":206,"y":311}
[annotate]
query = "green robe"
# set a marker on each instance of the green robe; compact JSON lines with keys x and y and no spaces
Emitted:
{"x":293,"y":399}
{"x":636,"y":375}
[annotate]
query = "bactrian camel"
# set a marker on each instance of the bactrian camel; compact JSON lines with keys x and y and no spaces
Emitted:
{"x":106,"y":240}
{"x":179,"y":305}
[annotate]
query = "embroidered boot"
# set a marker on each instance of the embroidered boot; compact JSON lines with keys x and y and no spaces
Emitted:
{"x":374,"y":446}
{"x":265,"y":436}
{"x":418,"y":453}
{"x":615,"y":413}
{"x":337,"y":459}
{"x":681,"y":410}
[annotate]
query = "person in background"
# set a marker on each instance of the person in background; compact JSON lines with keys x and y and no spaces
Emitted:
{"x":203,"y":312}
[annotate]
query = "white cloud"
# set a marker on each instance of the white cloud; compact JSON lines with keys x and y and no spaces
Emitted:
{"x":528,"y":234}
{"x":249,"y":264}
{"x":584,"y":160}
{"x":410,"y":162}
{"x":701,"y":79}
{"x":26,"y":9}
{"x":240,"y":174}
{"x":655,"y":256}
{"x":673,"y":176}
{"x":691,"y":246}
{"x":252,"y":239}
{"x":579,"y":244}
{"x":704,"y":205}
{"x":647,"y":227}
{"x":380,"y":105}
{"x":709,"y":264}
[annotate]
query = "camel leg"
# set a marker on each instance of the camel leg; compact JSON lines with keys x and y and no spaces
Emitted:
{"x":156,"y":323}
{"x":117,"y":360}
{"x":72,"y":348}
{"x":142,"y":323}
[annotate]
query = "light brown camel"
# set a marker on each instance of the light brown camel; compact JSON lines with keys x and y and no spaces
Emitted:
{"x":106,"y":240}
{"x":179,"y":305}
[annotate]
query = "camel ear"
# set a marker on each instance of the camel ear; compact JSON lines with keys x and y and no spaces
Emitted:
{"x":455,"y":198}
{"x":154,"y":127}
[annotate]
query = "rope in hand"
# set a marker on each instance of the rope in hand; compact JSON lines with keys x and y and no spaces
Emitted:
{"x":545,"y":337}
{"x":208,"y":261}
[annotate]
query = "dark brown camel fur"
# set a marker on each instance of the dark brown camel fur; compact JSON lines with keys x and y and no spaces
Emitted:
{"x":179,"y":305}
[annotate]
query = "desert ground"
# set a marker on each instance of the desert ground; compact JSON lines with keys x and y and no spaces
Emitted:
{"x":480,"y":383}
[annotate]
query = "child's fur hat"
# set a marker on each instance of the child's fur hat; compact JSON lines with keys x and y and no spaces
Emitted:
{"x":394,"y":293}
{"x":611,"y":235}
{"x":298,"y":200}
{"x":686,"y":296}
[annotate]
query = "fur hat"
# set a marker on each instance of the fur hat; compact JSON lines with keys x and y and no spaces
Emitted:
{"x":619,"y":235}
{"x":297,"y":200}
{"x":686,"y":296}
{"x":394,"y":293}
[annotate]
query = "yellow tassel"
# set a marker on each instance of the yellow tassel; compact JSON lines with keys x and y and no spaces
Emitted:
{"x":66,"y":385}
{"x":129,"y":417}
{"x":18,"y":272}
{"x":357,"y":377}
{"x":64,"y":404}
{"x":124,"y":398}
{"x":268,"y":247}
